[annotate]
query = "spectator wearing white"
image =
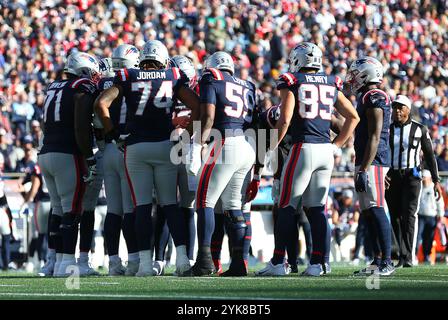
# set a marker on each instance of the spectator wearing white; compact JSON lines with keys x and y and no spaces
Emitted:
{"x":430,"y":213}
{"x":22,"y":111}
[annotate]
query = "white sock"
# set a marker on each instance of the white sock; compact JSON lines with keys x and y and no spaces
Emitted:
{"x":114,"y":259}
{"x":58,"y":257}
{"x":145,"y":257}
{"x":68,"y":257}
{"x":133,"y":256}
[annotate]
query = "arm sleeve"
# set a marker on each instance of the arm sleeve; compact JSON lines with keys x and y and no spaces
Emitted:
{"x":428,"y":155}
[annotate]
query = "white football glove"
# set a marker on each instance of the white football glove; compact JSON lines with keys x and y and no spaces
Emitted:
{"x":275,"y":192}
{"x":91,"y":170}
{"x":194,"y":160}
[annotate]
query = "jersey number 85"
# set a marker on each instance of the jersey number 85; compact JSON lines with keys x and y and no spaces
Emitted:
{"x":316,"y":100}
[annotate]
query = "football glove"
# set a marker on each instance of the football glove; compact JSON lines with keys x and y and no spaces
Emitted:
{"x":361,"y":181}
{"x":91,"y":170}
{"x":194,"y":160}
{"x":252,"y":188}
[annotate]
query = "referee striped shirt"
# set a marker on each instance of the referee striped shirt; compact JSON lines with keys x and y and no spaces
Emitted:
{"x":406,"y":143}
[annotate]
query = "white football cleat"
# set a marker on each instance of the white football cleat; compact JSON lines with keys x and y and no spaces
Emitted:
{"x":116,"y":268}
{"x":281,"y":269}
{"x":85,"y":269}
{"x":327,"y":268}
{"x":48,"y":268}
{"x":313,"y":270}
{"x":182,"y":261}
{"x":158,"y":268}
{"x":132,"y":268}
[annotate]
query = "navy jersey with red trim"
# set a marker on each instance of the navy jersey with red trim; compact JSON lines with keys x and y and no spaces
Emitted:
{"x":315,"y":95}
{"x":234,"y":99}
{"x":42,"y":193}
{"x":150,"y":98}
{"x":59,"y":114}
{"x":117,"y":109}
{"x":375,"y":98}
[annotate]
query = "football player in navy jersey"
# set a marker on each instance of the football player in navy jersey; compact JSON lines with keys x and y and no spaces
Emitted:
{"x":119,"y":200}
{"x":181,"y":120}
{"x":372,"y":156}
{"x":307,"y":100}
{"x":66,"y":157}
{"x":225,"y":105}
{"x":150,"y":95}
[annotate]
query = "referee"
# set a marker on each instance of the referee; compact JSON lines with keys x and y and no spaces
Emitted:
{"x":403,"y":181}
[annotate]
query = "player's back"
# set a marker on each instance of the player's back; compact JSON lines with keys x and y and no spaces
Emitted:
{"x":315,"y":95}
{"x":150,"y":97}
{"x":59,"y":114}
{"x":117,"y":109}
{"x":374,"y":98}
{"x":234,"y":99}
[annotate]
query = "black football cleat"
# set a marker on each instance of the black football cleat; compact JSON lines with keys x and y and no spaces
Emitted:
{"x":200,"y":269}
{"x":237,"y":269}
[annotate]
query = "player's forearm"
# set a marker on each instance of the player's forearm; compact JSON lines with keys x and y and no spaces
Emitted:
{"x":102,"y":110}
{"x":370,"y":153}
{"x":206,"y":124}
{"x":346,"y":131}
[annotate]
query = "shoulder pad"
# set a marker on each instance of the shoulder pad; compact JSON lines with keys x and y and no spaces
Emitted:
{"x":176,"y":73}
{"x":375,"y":96}
{"x":85,"y":85}
{"x":217,"y":74}
{"x":286,"y":80}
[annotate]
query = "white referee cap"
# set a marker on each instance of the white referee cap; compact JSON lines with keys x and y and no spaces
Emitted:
{"x":401,"y":99}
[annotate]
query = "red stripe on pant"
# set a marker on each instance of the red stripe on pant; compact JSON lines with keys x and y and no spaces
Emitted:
{"x":80,"y":184}
{"x":289,"y":175}
{"x":206,"y":174}
{"x":36,"y":209}
{"x":134,"y":200}
{"x":377,"y":186}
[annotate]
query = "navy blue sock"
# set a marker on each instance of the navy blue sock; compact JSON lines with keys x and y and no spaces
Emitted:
{"x":284,"y":231}
{"x":86,"y":231}
{"x":384,"y":231}
{"x":327,"y":244}
{"x":161,"y":234}
{"x":237,"y":228}
{"x":248,"y":236}
{"x":372,"y":235}
{"x":217,"y":237}
{"x":69,"y":232}
{"x":319,"y":225}
{"x":143,"y":226}
{"x":176,"y":224}
{"x":191,"y":230}
{"x":292,"y":248}
{"x":206,"y":226}
{"x":54,"y":233}
{"x":112,"y":228}
{"x":128,"y":226}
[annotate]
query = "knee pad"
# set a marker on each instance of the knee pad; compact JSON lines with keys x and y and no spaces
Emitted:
{"x":70,"y":220}
{"x":236,"y":220}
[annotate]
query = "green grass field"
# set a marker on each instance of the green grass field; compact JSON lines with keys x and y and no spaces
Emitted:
{"x":423,"y":282}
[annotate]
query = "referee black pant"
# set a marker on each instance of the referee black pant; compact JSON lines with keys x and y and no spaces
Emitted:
{"x":402,"y":199}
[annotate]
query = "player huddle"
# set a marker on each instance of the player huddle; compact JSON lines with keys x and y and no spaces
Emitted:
{"x":141,"y":122}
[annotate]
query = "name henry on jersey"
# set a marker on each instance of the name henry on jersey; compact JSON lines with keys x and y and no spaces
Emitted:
{"x":318,"y":79}
{"x":150,"y":75}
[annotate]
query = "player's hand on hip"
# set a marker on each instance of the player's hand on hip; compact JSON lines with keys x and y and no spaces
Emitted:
{"x":91,"y":170}
{"x":335,"y":149}
{"x":252,"y":188}
{"x":194,"y":160}
{"x":361,"y":181}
